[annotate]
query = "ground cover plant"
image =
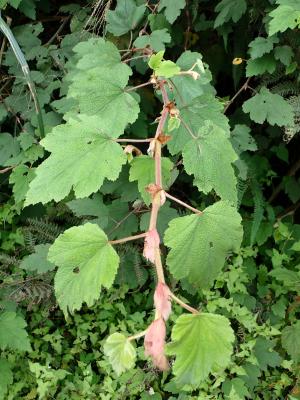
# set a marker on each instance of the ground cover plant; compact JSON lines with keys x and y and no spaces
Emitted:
{"x":149,"y":199}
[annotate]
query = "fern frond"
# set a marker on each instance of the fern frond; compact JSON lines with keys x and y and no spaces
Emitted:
{"x":242,"y":187}
{"x":29,"y":239}
{"x":43,"y":231}
{"x":138,"y":269}
{"x":7,"y":261}
{"x":270,"y":80}
{"x":285,"y":88}
{"x":31,"y":292}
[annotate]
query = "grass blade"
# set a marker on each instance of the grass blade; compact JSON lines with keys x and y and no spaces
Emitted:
{"x":25,"y":68}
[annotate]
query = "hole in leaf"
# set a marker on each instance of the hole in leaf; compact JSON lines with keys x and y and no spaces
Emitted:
{"x":76,"y":270}
{"x":211,"y":244}
{"x":89,"y":142}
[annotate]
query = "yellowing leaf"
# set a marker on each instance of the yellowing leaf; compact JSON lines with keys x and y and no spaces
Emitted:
{"x":156,"y":59}
{"x":237,"y":61}
{"x":120,"y":351}
{"x":167,"y":69}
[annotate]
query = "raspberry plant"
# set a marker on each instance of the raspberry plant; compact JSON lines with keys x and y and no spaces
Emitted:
{"x":133,"y":158}
{"x":88,"y":149}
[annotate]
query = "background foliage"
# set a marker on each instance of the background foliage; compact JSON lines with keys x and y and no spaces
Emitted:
{"x":250,"y":55}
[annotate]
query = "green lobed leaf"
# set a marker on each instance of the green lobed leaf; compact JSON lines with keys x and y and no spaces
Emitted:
{"x":235,"y":389}
{"x":265,"y":355}
{"x":156,"y":40}
{"x":120,"y":352}
{"x":290,"y":279}
{"x":291,"y":340}
{"x":172,"y":8}
{"x":199,"y":243}
{"x":186,"y":89}
{"x":202,"y":344}
{"x":229,"y":10}
{"x":82,"y":156}
{"x":142,"y":170}
{"x":9,"y":147}
{"x":20,"y":178}
{"x":285,"y":16}
{"x":98,"y":82}
{"x":199,"y":159}
{"x":156,"y":59}
{"x":37,"y":261}
{"x":6,"y":376}
{"x":91,"y":207}
{"x":260,"y":46}
{"x":13,"y":3}
{"x":167,"y":69}
{"x":86,"y":262}
{"x":195,"y":116}
{"x":260,"y":66}
{"x":125,"y":17}
{"x":242,"y":140}
{"x":284,"y":54}
{"x":12,"y":332}
{"x":267,"y":106}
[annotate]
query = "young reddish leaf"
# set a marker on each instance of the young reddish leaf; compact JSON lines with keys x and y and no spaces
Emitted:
{"x":162,"y":300}
{"x":151,"y":243}
{"x":155,"y":344}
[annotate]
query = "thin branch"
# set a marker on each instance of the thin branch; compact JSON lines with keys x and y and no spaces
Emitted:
{"x":292,"y":171}
{"x":164,"y":93}
{"x":182,"y":203}
{"x":59,"y":30}
{"x":119,"y":223}
{"x":244,"y":87}
{"x":158,"y":266}
{"x":157,"y":158}
{"x":137,"y":335}
{"x":133,"y":140}
{"x":138,"y":86}
{"x":183,"y":304}
{"x":289,"y":211}
{"x":135,"y":58}
{"x":2,"y":171}
{"x":127,"y":239}
{"x":162,"y":121}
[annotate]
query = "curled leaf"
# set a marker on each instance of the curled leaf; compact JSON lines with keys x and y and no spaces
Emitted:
{"x":154,"y":343}
{"x":151,"y":243}
{"x":162,"y":300}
